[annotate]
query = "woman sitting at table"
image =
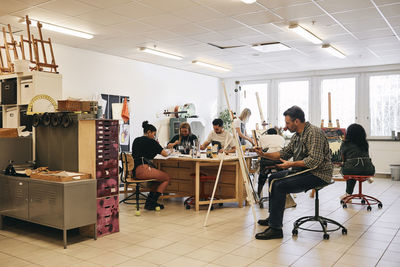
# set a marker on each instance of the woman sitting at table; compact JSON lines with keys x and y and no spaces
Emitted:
{"x":144,"y":149}
{"x":184,"y":140}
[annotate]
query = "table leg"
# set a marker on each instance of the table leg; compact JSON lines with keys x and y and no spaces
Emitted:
{"x":197,"y":187}
{"x":239,"y":185}
{"x":95,"y":231}
{"x":65,"y":238}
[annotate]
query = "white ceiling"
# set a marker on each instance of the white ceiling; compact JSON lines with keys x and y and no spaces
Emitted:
{"x":368,"y":35}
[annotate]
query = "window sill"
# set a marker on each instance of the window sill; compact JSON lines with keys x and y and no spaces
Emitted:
{"x":385,"y":140}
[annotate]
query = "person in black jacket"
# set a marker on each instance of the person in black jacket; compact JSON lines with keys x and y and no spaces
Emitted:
{"x":144,"y":149}
{"x":184,"y":140}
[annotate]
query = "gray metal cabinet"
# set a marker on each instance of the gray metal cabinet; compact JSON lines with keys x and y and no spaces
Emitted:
{"x":62,"y":205}
{"x":14,"y":198}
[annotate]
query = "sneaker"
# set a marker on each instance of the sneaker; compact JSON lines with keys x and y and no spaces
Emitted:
{"x":270,"y":233}
{"x":370,"y":180}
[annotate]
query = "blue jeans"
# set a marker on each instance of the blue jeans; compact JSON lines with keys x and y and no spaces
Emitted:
{"x":281,"y":187}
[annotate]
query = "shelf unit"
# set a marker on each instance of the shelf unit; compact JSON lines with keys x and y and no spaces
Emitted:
{"x":29,"y":84}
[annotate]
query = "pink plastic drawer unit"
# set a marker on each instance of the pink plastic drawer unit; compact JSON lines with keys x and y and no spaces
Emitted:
{"x":106,"y":172}
{"x":107,"y":186}
{"x":107,"y":215}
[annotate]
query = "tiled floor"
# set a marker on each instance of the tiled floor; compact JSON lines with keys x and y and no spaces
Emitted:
{"x":176,"y":237}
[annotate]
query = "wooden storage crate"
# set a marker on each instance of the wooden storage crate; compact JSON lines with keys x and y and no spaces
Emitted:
{"x":69,"y":105}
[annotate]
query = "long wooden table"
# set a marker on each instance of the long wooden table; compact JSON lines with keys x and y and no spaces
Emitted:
{"x":186,"y":171}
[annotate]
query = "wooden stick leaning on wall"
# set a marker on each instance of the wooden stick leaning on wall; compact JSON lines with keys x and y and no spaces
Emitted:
{"x":263,"y":123}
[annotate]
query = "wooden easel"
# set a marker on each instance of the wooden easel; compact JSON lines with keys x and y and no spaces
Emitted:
{"x":40,"y":65}
{"x":29,"y":41}
{"x":12,"y":45}
{"x":251,"y":195}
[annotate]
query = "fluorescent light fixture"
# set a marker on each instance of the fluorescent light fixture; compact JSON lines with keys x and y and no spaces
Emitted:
{"x":59,"y":29}
{"x":209,"y":65}
{"x":305,"y":33}
{"x":270,"y":47}
{"x":249,"y":1}
{"x":333,"y":51}
{"x":159,"y":53}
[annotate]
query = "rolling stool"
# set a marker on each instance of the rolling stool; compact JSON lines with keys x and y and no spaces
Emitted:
{"x":191,"y":200}
{"x":317,"y":218}
{"x":365,"y":199}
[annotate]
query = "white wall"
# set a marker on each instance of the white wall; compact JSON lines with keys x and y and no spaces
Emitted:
{"x":382,"y":153}
{"x":152,"y":88}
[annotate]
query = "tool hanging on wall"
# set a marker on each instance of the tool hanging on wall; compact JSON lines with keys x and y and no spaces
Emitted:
{"x":251,"y":195}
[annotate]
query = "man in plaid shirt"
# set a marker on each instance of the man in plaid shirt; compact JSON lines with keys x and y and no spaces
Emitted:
{"x":311,"y":155}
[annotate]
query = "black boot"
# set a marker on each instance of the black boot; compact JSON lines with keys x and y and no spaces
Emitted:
{"x":264,"y":222}
{"x":270,"y":233}
{"x":151,"y":202}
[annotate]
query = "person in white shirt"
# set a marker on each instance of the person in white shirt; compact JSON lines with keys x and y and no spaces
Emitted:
{"x":239,"y":124}
{"x":220,"y":136}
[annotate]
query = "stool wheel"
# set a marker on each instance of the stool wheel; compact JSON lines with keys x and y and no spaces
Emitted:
{"x":187,"y":207}
{"x":380,"y":205}
{"x":344,"y":231}
{"x":261,"y":205}
{"x":369,"y":208}
{"x":137,"y":213}
{"x":326,"y":236}
{"x":341,"y":201}
{"x":325,"y":223}
{"x":344,"y":206}
{"x":362,"y":201}
{"x":295,"y":232}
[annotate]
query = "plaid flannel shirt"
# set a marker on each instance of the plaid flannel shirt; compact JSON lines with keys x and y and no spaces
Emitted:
{"x":316,"y":150}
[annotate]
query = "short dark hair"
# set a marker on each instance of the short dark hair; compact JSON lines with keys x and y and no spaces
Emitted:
{"x":272,"y":131}
{"x":218,"y":122}
{"x":294,"y":113}
{"x":148,"y":127}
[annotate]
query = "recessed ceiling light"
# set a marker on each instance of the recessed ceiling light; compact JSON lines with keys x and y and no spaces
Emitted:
{"x":60,"y":29}
{"x":270,"y":47}
{"x":249,"y":1}
{"x":159,"y":53}
{"x":305,"y":33}
{"x":210,"y":65}
{"x":333,"y":51}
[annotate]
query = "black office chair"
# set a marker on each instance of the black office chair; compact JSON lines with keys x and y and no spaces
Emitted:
{"x":128,"y":180}
{"x":317,"y":218}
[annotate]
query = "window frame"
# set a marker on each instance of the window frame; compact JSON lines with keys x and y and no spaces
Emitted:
{"x":368,"y":102}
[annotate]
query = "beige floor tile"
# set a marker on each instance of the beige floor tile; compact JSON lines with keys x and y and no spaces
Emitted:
{"x":392,"y":256}
{"x":222,"y":246}
{"x":184,"y":262}
{"x":88,"y":253}
{"x":260,"y":263}
{"x":323,"y":254}
{"x":14,"y":262}
{"x":109,"y":259}
{"x":367,"y":252}
{"x":179,"y":248}
{"x":133,"y":251}
{"x":84,"y":264}
{"x":158,"y":257}
{"x":308,"y":262}
{"x":155,"y":243}
{"x":383,"y":263}
{"x":249,"y":252}
{"x":355,"y":260}
{"x":233,"y":260}
{"x":136,"y":262}
{"x":204,"y":254}
{"x":279,"y":258}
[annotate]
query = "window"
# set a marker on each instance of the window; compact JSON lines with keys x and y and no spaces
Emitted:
{"x":249,"y":100}
{"x":343,"y":101}
{"x":384,"y":97}
{"x":290,"y":94}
